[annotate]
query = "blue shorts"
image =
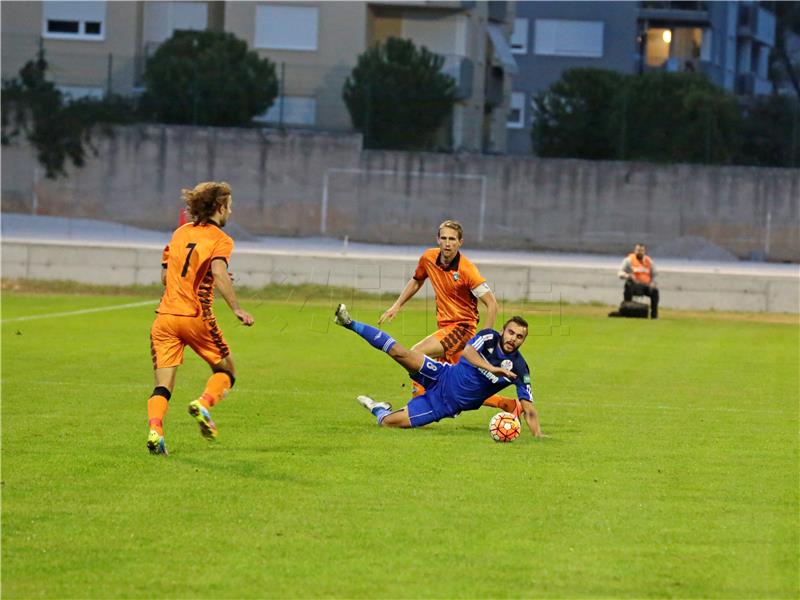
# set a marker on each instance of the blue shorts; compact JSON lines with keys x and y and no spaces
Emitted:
{"x":428,"y":407}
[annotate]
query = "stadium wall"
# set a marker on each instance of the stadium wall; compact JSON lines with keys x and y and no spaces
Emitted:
{"x":308,"y":183}
{"x":687,"y":288}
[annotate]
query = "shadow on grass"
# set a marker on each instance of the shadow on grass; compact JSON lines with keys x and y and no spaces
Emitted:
{"x":249,"y":469}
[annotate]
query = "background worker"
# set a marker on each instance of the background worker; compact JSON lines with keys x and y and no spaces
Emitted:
{"x":639,"y":273}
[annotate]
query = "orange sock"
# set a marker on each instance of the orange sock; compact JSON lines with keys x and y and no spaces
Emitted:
{"x":506,"y":404}
{"x":216,"y":389}
{"x":156,"y":409}
{"x":416,"y":389}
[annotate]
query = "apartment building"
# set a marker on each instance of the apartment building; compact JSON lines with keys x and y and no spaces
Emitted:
{"x":96,"y":46}
{"x":729,"y":42}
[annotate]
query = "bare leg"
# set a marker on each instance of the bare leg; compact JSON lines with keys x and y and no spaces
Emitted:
{"x":165,"y":377}
{"x":430,"y":346}
{"x":412,"y":360}
{"x":225,"y":365}
{"x":398,"y":418}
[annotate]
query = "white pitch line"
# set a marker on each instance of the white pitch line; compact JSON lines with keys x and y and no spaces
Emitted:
{"x":84,"y":311}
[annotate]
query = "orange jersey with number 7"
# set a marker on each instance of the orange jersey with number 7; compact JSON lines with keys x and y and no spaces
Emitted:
{"x":187,"y":259}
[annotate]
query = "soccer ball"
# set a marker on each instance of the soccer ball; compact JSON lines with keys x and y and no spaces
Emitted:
{"x":504,"y":427}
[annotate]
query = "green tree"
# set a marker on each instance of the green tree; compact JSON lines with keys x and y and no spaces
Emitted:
{"x":771,"y":132}
{"x":657,"y":116}
{"x":678,"y":117}
{"x":573,"y":117}
{"x":57,"y":127}
{"x":397,"y":95}
{"x":208,"y":78}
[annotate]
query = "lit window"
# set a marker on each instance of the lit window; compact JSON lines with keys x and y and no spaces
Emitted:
{"x":519,"y":37}
{"x":282,"y":27}
{"x":74,"y":20}
{"x":516,"y":111}
{"x":568,"y":38}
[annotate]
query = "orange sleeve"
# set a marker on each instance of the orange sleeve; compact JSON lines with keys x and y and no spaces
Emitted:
{"x":223,"y":249}
{"x":474,"y":277}
{"x":421,"y":274}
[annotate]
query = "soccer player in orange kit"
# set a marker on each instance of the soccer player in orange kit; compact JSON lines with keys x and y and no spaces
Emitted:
{"x":194,"y":262}
{"x":458,"y":286}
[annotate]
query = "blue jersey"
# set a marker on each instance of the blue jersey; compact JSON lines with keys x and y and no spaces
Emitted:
{"x":464,"y":387}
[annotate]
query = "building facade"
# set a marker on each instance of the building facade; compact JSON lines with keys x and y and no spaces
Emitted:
{"x":729,"y":42}
{"x":95,"y":47}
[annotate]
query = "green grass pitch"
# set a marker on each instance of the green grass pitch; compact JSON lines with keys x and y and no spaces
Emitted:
{"x":670,"y":468}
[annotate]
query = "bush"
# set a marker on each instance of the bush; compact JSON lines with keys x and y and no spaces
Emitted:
{"x":678,"y":117}
{"x":573,"y":117}
{"x":771,"y":132}
{"x":58,"y":128}
{"x":657,"y":116}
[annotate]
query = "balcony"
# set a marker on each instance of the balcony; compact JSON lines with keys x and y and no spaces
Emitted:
{"x":497,"y":11}
{"x":439,"y":4}
{"x":494,"y":87}
{"x":675,"y":13}
{"x":758,"y":24}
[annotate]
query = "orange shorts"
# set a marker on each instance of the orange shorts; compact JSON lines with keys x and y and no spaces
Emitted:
{"x":453,"y":338}
{"x":170,"y":334}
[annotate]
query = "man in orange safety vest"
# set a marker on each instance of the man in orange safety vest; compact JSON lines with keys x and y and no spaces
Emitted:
{"x":639,"y":274}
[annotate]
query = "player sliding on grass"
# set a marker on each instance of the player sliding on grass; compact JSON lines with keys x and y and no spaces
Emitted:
{"x":195,"y":260}
{"x":490,"y":362}
{"x":458,"y":285}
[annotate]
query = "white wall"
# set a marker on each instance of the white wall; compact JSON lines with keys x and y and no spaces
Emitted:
{"x":118,"y":264}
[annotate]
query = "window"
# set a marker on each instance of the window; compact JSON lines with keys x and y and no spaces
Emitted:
{"x":74,"y":20}
{"x":297,"y":110}
{"x":706,"y":46}
{"x":162,"y":19}
{"x":76,"y":92}
{"x":568,"y":38}
{"x":283,"y":27}
{"x":516,"y":111}
{"x":519,"y":37}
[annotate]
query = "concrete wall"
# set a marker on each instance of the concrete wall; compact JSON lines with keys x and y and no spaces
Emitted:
{"x":681,"y":288}
{"x":304,"y":184}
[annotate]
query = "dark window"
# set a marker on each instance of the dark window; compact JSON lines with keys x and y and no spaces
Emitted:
{"x":92,"y":27}
{"x":62,"y":26}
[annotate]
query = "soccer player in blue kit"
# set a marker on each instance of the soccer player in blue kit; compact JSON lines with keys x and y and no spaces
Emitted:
{"x":490,"y":362}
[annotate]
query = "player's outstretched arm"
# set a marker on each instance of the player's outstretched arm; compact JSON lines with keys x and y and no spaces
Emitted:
{"x":531,"y":417}
{"x":490,"y":303}
{"x":222,"y":280}
{"x":476,"y":360}
{"x":412,"y":287}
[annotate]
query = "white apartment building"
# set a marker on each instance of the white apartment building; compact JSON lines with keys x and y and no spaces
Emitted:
{"x":95,"y":46}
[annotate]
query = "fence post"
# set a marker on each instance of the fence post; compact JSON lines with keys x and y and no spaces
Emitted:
{"x":195,"y":93}
{"x":281,"y":94}
{"x":623,"y":129}
{"x":368,"y":117}
{"x":795,"y":133}
{"x":108,"y":73}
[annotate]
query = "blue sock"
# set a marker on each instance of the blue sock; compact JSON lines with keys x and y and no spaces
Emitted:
{"x":376,"y":338}
{"x":380,"y":413}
